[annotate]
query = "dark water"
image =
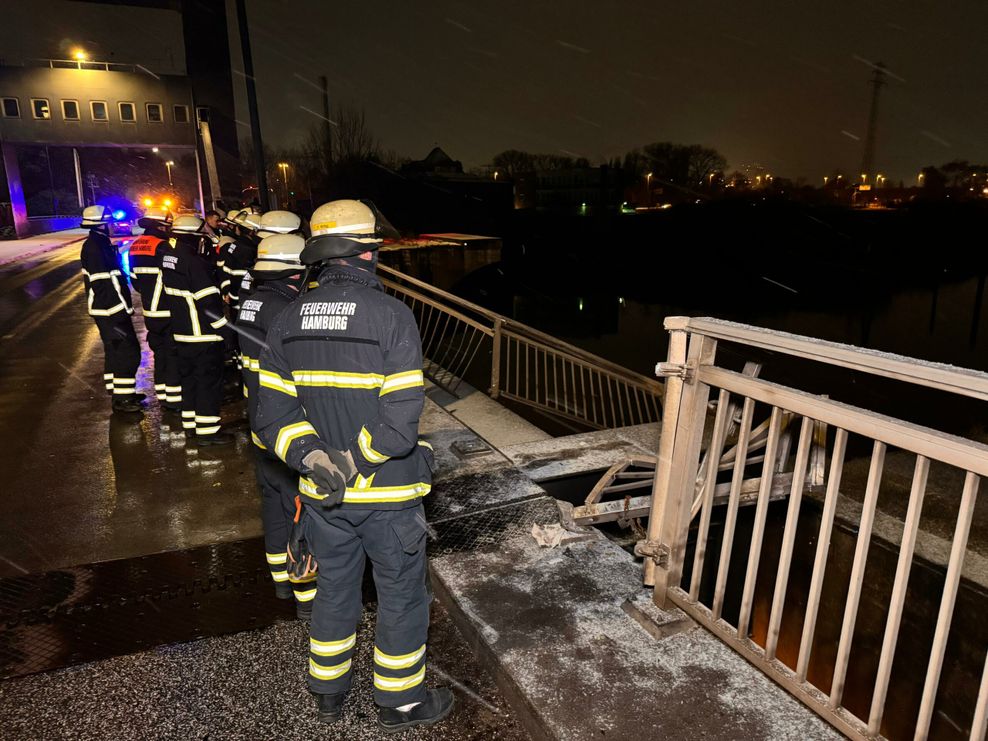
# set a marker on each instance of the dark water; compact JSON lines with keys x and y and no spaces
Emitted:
{"x":893,"y":285}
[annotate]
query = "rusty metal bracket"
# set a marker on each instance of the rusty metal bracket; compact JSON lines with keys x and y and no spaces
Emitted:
{"x":673,"y":370}
{"x":654,"y":550}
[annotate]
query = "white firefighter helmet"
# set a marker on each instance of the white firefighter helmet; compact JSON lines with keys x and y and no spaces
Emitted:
{"x":346,"y":228}
{"x":238,"y":217}
{"x":96,"y":216}
{"x":188,"y":224}
{"x":278,"y":253}
{"x":157,"y":213}
{"x":279,"y":222}
{"x":155,"y":217}
{"x":224,"y":240}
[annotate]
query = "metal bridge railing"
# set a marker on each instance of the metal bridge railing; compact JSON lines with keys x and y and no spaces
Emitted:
{"x":764,"y":609}
{"x":461,"y":340}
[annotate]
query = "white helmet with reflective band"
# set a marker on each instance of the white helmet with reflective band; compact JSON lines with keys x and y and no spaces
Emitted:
{"x":157,"y":213}
{"x":346,"y":228}
{"x":280,"y":222}
{"x":225,"y":239}
{"x":96,"y":216}
{"x":188,"y":224}
{"x":278,"y":253}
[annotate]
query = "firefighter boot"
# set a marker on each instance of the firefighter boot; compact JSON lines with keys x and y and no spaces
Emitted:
{"x":330,"y":707}
{"x":437,"y":705}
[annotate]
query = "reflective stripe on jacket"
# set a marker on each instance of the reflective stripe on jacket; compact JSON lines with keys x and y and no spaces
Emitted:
{"x":343,"y":370}
{"x":107,"y":290}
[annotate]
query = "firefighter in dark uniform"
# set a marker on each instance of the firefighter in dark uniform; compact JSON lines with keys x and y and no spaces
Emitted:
{"x":278,"y":278}
{"x":108,"y":300}
{"x":236,"y":257}
{"x":145,"y":266}
{"x":341,"y":391}
{"x":198,"y":327}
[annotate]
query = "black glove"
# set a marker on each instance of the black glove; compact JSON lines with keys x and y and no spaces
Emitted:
{"x":329,"y":471}
{"x":301,"y":563}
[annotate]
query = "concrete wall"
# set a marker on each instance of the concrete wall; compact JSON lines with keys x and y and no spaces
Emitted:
{"x":84,"y":86}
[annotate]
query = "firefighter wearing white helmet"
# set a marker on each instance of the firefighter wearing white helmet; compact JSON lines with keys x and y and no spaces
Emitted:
{"x":279,"y":222}
{"x":278,"y":279}
{"x":198,"y":327}
{"x":145,"y":266}
{"x":341,"y":391}
{"x":235,"y":258}
{"x":108,"y":301}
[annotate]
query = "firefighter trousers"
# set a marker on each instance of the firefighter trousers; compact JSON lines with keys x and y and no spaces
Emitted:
{"x":394,"y":541}
{"x":167,"y":381}
{"x":200,"y":367}
{"x":278,"y":485}
{"x":121,"y":354}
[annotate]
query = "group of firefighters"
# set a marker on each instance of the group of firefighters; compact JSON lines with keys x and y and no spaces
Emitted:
{"x":332,"y":374}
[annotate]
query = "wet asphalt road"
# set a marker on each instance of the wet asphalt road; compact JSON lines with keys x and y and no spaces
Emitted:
{"x":81,"y":484}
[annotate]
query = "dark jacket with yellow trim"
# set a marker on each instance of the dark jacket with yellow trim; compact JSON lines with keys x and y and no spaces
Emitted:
{"x":193,"y":299}
{"x":268,"y":298}
{"x":145,"y":268}
{"x":233,"y":262}
{"x":343,"y":370}
{"x":107,"y":292}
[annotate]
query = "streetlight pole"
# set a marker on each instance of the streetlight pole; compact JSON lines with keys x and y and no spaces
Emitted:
{"x":648,"y":189}
{"x":255,"y":119}
{"x":168,"y":166}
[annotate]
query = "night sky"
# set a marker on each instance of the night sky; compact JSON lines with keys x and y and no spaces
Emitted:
{"x":783,"y":84}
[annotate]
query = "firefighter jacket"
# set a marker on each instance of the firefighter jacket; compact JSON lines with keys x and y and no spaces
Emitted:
{"x":233,"y":262}
{"x":193,"y":300}
{"x":257,"y":313}
{"x":145,"y":266}
{"x":343,"y":370}
{"x":107,"y":292}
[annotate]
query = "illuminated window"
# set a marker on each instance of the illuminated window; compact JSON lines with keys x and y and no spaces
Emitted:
{"x":181,"y":113}
{"x":11,"y":108}
{"x":39,"y":106}
{"x":70,"y":110}
{"x":154,"y":113}
{"x":128,"y":113}
{"x":99,"y":110}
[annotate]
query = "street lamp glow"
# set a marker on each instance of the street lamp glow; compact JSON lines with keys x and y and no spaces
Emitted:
{"x":167,"y":202}
{"x":154,"y":149}
{"x":148,"y":203}
{"x":168,"y":166}
{"x":80,"y":55}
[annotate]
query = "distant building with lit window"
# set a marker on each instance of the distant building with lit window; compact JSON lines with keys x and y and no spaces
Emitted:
{"x":114,"y":114}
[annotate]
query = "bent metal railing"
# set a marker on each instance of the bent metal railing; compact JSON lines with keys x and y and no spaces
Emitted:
{"x":461,"y":340}
{"x":692,"y":373}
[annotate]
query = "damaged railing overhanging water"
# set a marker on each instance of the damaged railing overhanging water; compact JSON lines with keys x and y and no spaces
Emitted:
{"x":692,"y":374}
{"x":518,"y":363}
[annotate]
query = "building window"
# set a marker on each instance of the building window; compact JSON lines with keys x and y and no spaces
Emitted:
{"x":202,"y":114}
{"x":181,"y":113}
{"x":99,"y":110}
{"x":128,"y":113}
{"x":11,"y":108}
{"x":39,"y":106}
{"x":70,"y":110}
{"x":154,"y":113}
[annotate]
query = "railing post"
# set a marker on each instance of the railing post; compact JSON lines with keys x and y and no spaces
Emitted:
{"x":495,"y":389}
{"x":683,"y":417}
